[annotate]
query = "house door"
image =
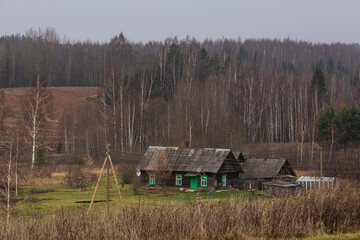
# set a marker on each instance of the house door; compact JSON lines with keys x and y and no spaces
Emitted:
{"x":194,"y":183}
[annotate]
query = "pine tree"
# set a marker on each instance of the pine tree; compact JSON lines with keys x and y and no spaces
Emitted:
{"x":325,"y":123}
{"x":318,"y":88}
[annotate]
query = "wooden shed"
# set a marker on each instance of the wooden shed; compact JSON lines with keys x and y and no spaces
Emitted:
{"x":196,"y":169}
{"x":260,"y":170}
{"x":281,"y":188}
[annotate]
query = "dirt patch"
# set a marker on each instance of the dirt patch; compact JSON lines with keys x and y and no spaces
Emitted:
{"x":32,"y":200}
{"x":160,"y":194}
{"x":14,"y":200}
{"x":58,"y":174}
{"x":41,"y":190}
{"x":97,"y":201}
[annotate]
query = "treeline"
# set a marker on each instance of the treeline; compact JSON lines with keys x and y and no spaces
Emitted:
{"x":212,"y":93}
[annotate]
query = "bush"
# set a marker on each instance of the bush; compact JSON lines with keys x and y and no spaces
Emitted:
{"x":40,"y":159}
{"x":59,"y":148}
{"x":73,"y":174}
{"x":41,"y":190}
{"x":135,"y":184}
{"x":127,"y":173}
{"x":78,"y":160}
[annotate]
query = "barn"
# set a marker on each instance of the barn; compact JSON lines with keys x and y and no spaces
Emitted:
{"x":260,"y":170}
{"x":189,"y":168}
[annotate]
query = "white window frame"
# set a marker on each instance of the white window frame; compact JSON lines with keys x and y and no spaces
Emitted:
{"x":178,"y":180}
{"x":202,"y":178}
{"x":152,"y":179}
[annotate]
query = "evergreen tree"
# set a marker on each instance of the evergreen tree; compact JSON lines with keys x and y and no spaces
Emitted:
{"x":213,"y":65}
{"x":330,"y":65}
{"x":325,"y":124}
{"x":174,"y":69}
{"x":318,"y":88}
{"x":203,"y":59}
{"x":348,"y":124}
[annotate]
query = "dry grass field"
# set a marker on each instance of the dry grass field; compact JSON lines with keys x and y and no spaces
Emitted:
{"x":318,"y":214}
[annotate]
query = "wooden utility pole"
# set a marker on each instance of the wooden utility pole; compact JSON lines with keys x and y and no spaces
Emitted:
{"x":107,"y":180}
{"x":107,"y":161}
{"x":16,"y":165}
{"x":321,"y":165}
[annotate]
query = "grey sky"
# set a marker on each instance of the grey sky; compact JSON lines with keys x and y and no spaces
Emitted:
{"x":144,"y":20}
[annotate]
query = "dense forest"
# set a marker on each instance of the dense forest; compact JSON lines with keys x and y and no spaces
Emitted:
{"x":215,"y":93}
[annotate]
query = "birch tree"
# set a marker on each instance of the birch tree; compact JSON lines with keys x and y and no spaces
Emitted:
{"x":6,"y":179}
{"x":37,"y":108}
{"x":146,"y":81}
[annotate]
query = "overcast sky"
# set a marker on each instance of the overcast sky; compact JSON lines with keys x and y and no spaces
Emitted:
{"x":144,"y":20}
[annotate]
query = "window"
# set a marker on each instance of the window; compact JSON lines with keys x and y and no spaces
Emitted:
{"x":152,"y":179}
{"x":178,"y":180}
{"x":223,"y":180}
{"x":203,"y":181}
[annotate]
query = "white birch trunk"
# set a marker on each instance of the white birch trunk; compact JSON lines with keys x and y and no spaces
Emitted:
{"x":33,"y":143}
{"x":8,"y":190}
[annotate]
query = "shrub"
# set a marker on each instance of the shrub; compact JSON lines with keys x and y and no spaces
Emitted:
{"x":59,"y":148}
{"x":40,"y":159}
{"x":127,"y":173}
{"x":135,"y":184}
{"x":41,"y":190}
{"x":78,"y":160}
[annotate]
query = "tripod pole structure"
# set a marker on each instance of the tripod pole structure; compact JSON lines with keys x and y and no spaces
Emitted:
{"x":97,"y":185}
{"x":117,"y":184}
{"x":108,"y":163}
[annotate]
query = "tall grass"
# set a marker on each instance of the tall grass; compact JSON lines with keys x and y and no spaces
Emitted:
{"x":314,"y":213}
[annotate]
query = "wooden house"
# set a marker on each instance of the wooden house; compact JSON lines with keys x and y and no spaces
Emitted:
{"x":189,"y":168}
{"x":260,"y":170}
{"x":239,"y":156}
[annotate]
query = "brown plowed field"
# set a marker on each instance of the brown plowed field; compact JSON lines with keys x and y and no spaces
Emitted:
{"x":72,"y":102}
{"x":64,"y":99}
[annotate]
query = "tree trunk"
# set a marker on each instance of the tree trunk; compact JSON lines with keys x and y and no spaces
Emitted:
{"x":8,"y":210}
{"x":33,"y":143}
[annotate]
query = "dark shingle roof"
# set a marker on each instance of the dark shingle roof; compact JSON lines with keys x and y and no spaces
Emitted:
{"x":239,"y":156}
{"x":185,"y":159}
{"x":263,"y":168}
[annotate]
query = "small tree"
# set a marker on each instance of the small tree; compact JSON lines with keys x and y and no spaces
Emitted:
{"x":37,"y":107}
{"x":326,"y":127}
{"x":348,"y":124}
{"x":6,"y":179}
{"x":160,"y":167}
{"x":318,"y":88}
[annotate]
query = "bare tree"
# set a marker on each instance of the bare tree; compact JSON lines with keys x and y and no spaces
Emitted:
{"x":37,"y":108}
{"x":161,"y":167}
{"x":146,"y":82}
{"x":6,"y":179}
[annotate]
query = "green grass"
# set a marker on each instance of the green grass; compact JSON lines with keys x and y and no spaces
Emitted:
{"x":337,"y":236}
{"x":50,"y":198}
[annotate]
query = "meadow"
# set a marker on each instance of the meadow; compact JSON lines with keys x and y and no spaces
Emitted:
{"x":53,"y":211}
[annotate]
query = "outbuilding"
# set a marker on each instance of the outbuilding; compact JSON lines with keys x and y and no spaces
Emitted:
{"x":260,"y":170}
{"x":281,"y":188}
{"x":189,"y":168}
{"x":309,"y":183}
